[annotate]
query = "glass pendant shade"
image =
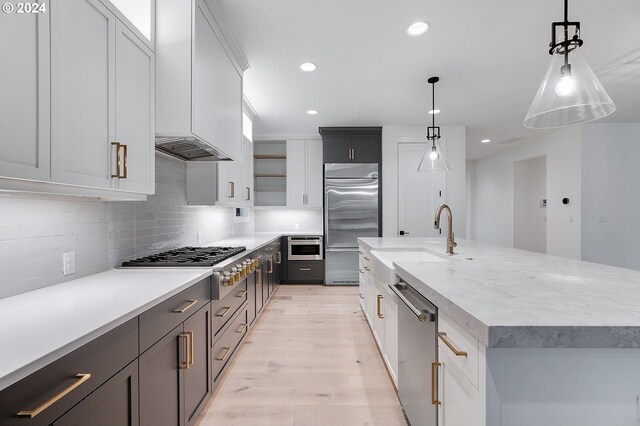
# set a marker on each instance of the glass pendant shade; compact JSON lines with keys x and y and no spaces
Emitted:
{"x":568,"y":95}
{"x":434,"y":159}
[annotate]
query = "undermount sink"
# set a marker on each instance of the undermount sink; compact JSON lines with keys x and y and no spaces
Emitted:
{"x":382,"y":265}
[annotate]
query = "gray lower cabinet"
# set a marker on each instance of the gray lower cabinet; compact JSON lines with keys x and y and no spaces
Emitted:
{"x":305,"y":271}
{"x":32,"y":400}
{"x":224,"y":309}
{"x":174,"y":374}
{"x":251,"y":298}
{"x":113,"y":403}
{"x":224,"y":349}
{"x":259,"y":286}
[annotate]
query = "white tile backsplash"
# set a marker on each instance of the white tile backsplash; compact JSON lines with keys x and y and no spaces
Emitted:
{"x":36,"y":229}
{"x":285,"y":219}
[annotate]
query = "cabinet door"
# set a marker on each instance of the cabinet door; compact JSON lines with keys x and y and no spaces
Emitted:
{"x":135,"y":109}
{"x":459,"y":399}
{"x":365,"y":148}
{"x":217,"y":87}
{"x":247,"y":168}
{"x":337,"y":148}
{"x":259,"y":287}
{"x":296,"y":173}
{"x":265,"y":282}
{"x":162,"y":381}
{"x":391,"y":335}
{"x":25,"y":86}
{"x":379,"y":317}
{"x":82,"y":92}
{"x":226,"y":189}
{"x":113,"y":403}
{"x":251,"y":298}
{"x":197,"y":378}
{"x":315,"y":187}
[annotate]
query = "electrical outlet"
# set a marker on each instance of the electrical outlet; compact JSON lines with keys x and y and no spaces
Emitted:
{"x":601,"y":219}
{"x":296,"y":226}
{"x":69,"y":263}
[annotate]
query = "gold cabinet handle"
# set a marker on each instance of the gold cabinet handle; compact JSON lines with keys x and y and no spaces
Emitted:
{"x":118,"y":159}
{"x":248,"y":193}
{"x":434,"y":383}
{"x":185,"y":346}
{"x":190,"y":357}
{"x":186,"y":307}
{"x":232,"y":190}
{"x":271,"y":266}
{"x":279,"y":257}
{"x":223,"y":357}
{"x":242,"y":328}
{"x":82,"y":377}
{"x":126,"y":159}
{"x":226,"y":311}
{"x":379,"y":306}
{"x":241,"y":293}
{"x":445,"y":339}
{"x":259,"y":283}
{"x":305,"y":269}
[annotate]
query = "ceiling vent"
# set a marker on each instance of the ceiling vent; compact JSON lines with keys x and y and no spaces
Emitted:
{"x":510,"y":141}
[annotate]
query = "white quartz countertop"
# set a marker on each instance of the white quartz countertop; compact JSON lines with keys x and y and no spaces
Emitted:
{"x":509,"y":298}
{"x":46,"y":324}
{"x":41,"y":326}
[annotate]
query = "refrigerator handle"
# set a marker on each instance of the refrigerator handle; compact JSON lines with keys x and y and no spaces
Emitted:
{"x":326,"y":216}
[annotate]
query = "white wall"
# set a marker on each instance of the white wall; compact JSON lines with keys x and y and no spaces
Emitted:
{"x":529,"y":217}
{"x":611,"y":194}
{"x":492,"y":188}
{"x":454,"y":142}
{"x":36,"y":229}
{"x":285,"y":219}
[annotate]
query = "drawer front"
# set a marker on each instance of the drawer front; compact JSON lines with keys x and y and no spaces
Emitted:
{"x":301,"y":270}
{"x":227,"y":344}
{"x":68,"y":376}
{"x":161,"y":319}
{"x":460,"y":340}
{"x":223,"y":310}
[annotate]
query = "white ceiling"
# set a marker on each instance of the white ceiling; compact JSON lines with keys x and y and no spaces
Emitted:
{"x":490,"y":56}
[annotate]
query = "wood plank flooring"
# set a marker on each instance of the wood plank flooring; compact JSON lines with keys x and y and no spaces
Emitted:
{"x":310,"y":361}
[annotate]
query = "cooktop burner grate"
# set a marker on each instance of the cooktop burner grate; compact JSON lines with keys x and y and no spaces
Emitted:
{"x":187,"y":256}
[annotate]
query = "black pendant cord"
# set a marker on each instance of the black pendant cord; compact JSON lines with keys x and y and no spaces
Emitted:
{"x":433,"y":110}
{"x":566,"y":31}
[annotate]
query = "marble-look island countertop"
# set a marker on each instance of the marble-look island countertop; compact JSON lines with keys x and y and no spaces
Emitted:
{"x":509,"y":298}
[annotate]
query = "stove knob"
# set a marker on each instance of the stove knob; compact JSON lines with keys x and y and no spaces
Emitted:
{"x":241,"y":270}
{"x":236,"y":273}
{"x":247,"y":266}
{"x":228,"y":280}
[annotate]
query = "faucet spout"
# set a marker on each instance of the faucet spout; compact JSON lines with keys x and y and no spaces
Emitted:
{"x":451,"y":242}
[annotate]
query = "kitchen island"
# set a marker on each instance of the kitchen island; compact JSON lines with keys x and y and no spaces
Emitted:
{"x":529,"y":339}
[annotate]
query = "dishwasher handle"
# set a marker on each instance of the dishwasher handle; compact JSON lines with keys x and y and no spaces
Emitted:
{"x":421,"y":314}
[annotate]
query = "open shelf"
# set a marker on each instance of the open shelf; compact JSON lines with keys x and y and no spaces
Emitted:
{"x":267,"y":175}
{"x":270,"y":173}
{"x":269,"y":157}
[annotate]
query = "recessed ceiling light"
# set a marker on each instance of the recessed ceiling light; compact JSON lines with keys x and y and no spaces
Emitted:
{"x":308,"y":67}
{"x":485,"y":141}
{"x":434,"y":111}
{"x":312,"y":112}
{"x":417,"y":28}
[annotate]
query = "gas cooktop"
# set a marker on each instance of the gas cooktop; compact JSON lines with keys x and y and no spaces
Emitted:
{"x":187,"y":256}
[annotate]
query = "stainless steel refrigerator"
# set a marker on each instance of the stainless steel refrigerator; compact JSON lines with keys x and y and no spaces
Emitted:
{"x":351,"y":210}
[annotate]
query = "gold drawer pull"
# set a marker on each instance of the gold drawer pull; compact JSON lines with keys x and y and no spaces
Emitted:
{"x":226,"y":311}
{"x":379,"y":307}
{"x":241,"y":293}
{"x":271,"y":266}
{"x":185,"y":340}
{"x":242,"y":329}
{"x":434,"y":383}
{"x":186,"y":307}
{"x":118,"y":159}
{"x":126,"y":159}
{"x":305,"y":269}
{"x":223,"y":357}
{"x":82,"y":377}
{"x":445,"y":339}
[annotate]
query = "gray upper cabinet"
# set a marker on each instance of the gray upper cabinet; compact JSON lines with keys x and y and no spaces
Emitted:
{"x":25,"y":88}
{"x":352,"y":144}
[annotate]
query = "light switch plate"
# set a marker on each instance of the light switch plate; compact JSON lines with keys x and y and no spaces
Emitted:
{"x":69,"y":263}
{"x":296,"y":226}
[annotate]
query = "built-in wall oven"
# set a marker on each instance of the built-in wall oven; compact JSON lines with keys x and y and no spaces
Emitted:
{"x":305,"y":248}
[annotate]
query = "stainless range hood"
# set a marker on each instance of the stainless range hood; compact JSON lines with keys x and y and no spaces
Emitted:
{"x":189,"y":149}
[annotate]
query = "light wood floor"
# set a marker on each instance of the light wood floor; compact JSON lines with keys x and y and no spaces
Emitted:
{"x":311,"y":360}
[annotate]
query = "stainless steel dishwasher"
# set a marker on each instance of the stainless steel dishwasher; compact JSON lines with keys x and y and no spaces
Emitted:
{"x":417,"y":356}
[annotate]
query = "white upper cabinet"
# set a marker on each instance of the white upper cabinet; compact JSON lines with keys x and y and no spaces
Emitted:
{"x":199,"y":78}
{"x":25,"y":88}
{"x":135,"y":110}
{"x":304,"y":173}
{"x":83,"y":105}
{"x":81,"y":95}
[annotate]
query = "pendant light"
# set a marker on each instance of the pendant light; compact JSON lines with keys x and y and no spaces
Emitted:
{"x":570,"y":92}
{"x":434,"y":157}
